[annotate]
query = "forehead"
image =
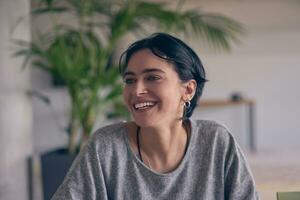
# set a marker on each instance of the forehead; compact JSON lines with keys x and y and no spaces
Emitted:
{"x":145,"y":59}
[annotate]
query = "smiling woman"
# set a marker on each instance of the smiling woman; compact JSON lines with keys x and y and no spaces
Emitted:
{"x":161,"y":154}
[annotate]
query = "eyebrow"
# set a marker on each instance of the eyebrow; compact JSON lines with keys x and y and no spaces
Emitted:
{"x":144,"y":71}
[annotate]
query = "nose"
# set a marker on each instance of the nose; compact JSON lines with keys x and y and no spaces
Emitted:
{"x":140,"y":88}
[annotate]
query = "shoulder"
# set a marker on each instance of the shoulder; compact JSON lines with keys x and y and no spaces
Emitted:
{"x":213,"y":138}
{"x":107,"y":136}
{"x":209,"y":125}
{"x":109,"y":131}
{"x":211,"y":130}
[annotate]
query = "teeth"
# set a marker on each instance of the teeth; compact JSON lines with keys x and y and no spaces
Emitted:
{"x":144,"y":104}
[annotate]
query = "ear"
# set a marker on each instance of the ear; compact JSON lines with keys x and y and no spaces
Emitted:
{"x":189,"y":90}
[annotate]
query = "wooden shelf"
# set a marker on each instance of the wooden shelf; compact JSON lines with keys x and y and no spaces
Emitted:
{"x":219,"y":102}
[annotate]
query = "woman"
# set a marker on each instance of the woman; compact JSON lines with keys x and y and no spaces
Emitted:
{"x":161,"y":154}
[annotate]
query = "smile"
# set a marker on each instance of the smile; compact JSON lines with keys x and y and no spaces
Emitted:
{"x":144,"y":105}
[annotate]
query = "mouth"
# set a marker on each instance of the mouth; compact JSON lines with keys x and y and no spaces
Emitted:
{"x":144,"y":105}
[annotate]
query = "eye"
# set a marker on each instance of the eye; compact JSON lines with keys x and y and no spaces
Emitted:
{"x":153,"y":78}
{"x":129,"y":81}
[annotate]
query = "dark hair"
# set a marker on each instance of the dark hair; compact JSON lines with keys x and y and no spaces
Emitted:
{"x":185,"y":61}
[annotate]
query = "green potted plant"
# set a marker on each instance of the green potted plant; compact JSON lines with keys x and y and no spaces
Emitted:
{"x":82,"y":54}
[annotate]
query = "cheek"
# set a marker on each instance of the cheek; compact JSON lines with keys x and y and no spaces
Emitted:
{"x":172,"y":96}
{"x":125,"y":96}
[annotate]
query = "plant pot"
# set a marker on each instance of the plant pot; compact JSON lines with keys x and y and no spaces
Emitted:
{"x":54,"y":165}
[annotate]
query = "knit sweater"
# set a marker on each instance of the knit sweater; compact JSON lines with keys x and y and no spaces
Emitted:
{"x":213,"y":168}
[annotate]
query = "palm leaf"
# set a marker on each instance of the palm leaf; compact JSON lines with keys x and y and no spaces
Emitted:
{"x":29,"y":50}
{"x":217,"y":30}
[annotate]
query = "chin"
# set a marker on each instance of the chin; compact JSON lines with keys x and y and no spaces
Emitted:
{"x":145,"y":122}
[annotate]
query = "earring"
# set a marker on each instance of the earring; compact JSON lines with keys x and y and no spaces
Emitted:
{"x":187,"y":104}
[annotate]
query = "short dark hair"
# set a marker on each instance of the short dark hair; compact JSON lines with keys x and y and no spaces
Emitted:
{"x":185,"y":61}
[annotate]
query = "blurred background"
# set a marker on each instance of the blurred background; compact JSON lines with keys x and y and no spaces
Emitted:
{"x":252,"y":89}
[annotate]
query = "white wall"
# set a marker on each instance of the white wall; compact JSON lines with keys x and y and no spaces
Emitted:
{"x":264,"y":67}
{"x":15,"y":106}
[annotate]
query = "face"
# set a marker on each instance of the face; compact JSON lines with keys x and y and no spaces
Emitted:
{"x":153,"y":92}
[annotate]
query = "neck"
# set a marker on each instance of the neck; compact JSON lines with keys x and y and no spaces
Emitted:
{"x":163,"y":147}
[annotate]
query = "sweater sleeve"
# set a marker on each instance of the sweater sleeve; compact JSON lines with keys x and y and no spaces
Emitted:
{"x":239,"y":183}
{"x":85,"y":179}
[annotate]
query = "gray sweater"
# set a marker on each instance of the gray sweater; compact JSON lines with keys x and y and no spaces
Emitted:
{"x":212,"y":168}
